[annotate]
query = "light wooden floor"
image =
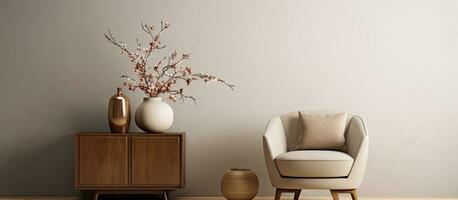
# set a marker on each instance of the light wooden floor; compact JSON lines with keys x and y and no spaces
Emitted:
{"x":343,"y":197}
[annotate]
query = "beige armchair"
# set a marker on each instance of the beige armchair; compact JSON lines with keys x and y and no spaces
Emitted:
{"x":292,"y":171}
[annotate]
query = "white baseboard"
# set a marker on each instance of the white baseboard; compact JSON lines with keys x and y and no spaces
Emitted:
{"x":343,"y":197}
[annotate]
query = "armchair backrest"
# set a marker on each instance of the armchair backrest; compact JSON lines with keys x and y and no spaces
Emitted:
{"x":293,"y":125}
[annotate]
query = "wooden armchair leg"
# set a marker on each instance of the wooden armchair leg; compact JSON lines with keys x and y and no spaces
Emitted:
{"x":335,"y":194}
{"x":278,"y":192}
{"x":353,"y":193}
{"x":297,"y":194}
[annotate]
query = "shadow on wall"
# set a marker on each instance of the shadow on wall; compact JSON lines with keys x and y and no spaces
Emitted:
{"x":225,"y":147}
{"x":40,"y":170}
{"x":44,"y":165}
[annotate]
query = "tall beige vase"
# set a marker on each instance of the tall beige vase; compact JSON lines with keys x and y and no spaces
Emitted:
{"x":239,"y":184}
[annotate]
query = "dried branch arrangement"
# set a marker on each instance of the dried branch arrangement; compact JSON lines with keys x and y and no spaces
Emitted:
{"x":163,"y":76}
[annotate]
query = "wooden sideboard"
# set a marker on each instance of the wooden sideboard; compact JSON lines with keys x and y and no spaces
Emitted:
{"x":136,"y":161}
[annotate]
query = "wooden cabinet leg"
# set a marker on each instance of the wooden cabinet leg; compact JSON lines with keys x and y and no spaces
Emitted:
{"x":165,"y":195}
{"x":277,"y":194}
{"x":335,"y":194}
{"x":297,"y":194}
{"x":96,"y":195}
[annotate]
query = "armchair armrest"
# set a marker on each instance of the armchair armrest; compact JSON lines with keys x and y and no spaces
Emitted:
{"x":274,"y":138}
{"x":356,"y":134}
{"x":357,"y":142}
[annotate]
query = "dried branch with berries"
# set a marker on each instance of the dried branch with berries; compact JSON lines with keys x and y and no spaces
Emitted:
{"x":163,"y":76}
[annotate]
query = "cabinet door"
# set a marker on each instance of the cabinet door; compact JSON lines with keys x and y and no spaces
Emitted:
{"x":102,"y":161}
{"x":156,"y":161}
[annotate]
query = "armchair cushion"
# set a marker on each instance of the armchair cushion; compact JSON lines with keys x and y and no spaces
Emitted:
{"x":314,"y":164}
{"x":322,"y":131}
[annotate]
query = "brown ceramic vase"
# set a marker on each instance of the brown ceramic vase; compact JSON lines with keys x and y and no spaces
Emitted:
{"x":239,"y":184}
{"x":119,"y":113}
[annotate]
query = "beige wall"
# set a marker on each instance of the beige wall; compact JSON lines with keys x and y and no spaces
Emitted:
{"x":394,"y":62}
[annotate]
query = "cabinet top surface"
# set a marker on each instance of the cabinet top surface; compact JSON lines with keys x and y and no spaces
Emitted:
{"x":130,"y":134}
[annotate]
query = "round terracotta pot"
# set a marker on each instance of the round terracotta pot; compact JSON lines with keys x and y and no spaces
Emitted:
{"x":239,"y":184}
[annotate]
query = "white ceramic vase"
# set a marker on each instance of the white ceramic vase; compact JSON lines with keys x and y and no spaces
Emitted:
{"x":154,"y":115}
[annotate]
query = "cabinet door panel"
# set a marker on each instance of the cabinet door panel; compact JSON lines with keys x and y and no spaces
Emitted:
{"x":102,"y":161}
{"x":156,"y":161}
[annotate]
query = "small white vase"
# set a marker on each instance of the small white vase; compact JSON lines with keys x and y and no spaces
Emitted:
{"x":154,"y":115}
